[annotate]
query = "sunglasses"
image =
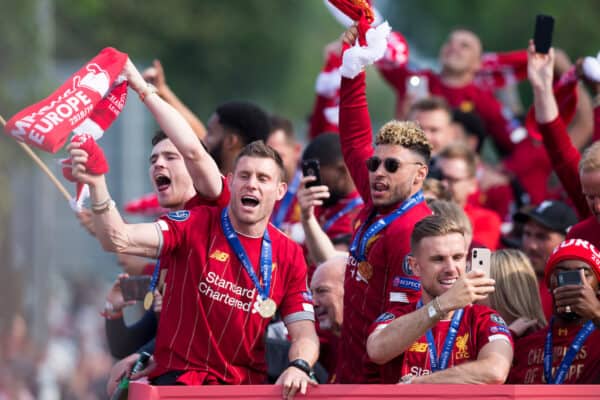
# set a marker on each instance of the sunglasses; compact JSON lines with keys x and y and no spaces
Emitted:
{"x":391,"y":165}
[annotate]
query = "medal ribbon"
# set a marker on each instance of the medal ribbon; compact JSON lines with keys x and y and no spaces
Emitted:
{"x":266,"y":263}
{"x":357,"y":201}
{"x":360,"y":243}
{"x":286,"y":202}
{"x":154,"y":280}
{"x":439,"y":364}
{"x":567,"y":360}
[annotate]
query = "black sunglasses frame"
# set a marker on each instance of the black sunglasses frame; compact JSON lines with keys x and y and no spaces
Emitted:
{"x":390,"y":164}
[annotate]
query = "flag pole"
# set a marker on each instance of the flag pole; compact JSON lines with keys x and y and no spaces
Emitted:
{"x":42,"y":166}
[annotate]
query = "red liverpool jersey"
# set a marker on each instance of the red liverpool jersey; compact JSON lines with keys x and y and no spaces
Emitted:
{"x":386,"y":277}
{"x":480,"y":325}
{"x":528,"y":363}
{"x":209,"y":326}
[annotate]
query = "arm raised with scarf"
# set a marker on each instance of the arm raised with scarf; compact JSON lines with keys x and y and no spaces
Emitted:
{"x":201,"y":166}
{"x":113,"y":233}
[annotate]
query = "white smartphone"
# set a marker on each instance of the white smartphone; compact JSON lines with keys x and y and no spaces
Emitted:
{"x":417,"y":87}
{"x":480,"y":259}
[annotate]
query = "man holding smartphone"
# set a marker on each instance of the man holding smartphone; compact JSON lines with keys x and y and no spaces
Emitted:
{"x":444,"y":338}
{"x":566,"y":350}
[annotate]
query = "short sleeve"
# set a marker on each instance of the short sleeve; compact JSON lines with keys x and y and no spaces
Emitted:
{"x":491,"y":327}
{"x":176,"y":226}
{"x":296,"y":304}
{"x":389,"y":315}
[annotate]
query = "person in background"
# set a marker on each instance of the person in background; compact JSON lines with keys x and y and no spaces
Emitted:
{"x":458,"y":166}
{"x":566,"y":351}
{"x":516,"y":297}
{"x":545,"y":226}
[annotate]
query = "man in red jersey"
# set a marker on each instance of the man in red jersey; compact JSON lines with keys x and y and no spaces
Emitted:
{"x":458,"y":166}
{"x":460,"y":59}
{"x":230,"y":271}
{"x":566,"y":351}
{"x":446,"y":339}
{"x":389,"y":179}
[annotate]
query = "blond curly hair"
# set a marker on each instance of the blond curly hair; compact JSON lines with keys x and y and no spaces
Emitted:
{"x":407,"y":134}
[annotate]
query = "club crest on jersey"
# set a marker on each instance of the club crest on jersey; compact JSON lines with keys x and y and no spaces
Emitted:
{"x":178,"y":216}
{"x":406,"y":265}
{"x":497,"y":319}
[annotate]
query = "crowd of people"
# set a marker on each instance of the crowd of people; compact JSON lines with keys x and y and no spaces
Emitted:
{"x":361,"y":272}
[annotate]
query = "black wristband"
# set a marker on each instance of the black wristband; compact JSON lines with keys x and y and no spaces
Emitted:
{"x":302,"y":365}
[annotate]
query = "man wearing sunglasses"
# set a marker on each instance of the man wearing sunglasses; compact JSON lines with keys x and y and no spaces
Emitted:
{"x":389,"y":178}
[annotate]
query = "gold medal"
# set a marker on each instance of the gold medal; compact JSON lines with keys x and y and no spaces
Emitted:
{"x":365,"y":269}
{"x":267,"y":308}
{"x":148,"y":300}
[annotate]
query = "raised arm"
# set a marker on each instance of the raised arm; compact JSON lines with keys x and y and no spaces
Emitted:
{"x":491,"y":367}
{"x":201,"y":166}
{"x":156,"y":76}
{"x":564,"y":155}
{"x":112,"y":232}
{"x":355,"y":127}
{"x":320,"y":247}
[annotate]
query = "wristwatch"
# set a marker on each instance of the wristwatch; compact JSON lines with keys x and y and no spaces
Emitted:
{"x":302,"y":365}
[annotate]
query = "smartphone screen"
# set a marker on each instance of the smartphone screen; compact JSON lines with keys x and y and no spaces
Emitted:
{"x":542,"y":36}
{"x":480,"y":259}
{"x":135,"y":287}
{"x":569,"y":278}
{"x":312,"y":167}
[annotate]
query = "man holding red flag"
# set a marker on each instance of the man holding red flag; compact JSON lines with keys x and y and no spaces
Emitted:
{"x":224,"y":261}
{"x":390,"y":185}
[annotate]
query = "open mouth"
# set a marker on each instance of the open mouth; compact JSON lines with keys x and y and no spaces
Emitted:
{"x":250,"y":201}
{"x":448,"y":281}
{"x":162,"y":182}
{"x":379,"y":187}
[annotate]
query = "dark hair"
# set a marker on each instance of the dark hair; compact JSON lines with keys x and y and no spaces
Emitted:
{"x":244,"y":119}
{"x":259,"y":149}
{"x":472,"y":125}
{"x":433,"y":103}
{"x":158,"y":137}
{"x":326,"y":148}
{"x":280,"y":123}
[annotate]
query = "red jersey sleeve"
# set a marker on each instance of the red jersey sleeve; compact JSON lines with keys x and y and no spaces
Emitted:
{"x":490,"y":111}
{"x":391,"y":314}
{"x":220,"y":201}
{"x":175,"y":227}
{"x":565,"y":160}
{"x":297,"y":302}
{"x":489,"y":326}
{"x":318,"y":122}
{"x":356,"y":136}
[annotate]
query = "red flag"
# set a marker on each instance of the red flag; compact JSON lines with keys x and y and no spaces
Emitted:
{"x":359,"y":11}
{"x":89,"y":93}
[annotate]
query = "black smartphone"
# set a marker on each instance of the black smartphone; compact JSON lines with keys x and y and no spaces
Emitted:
{"x":542,"y":37}
{"x":572,"y":277}
{"x":312,"y":167}
{"x":135,"y":287}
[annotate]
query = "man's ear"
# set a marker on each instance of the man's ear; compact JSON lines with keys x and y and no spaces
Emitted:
{"x":231,"y":141}
{"x":414,"y":265}
{"x":421,"y":175}
{"x":281,"y":189}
